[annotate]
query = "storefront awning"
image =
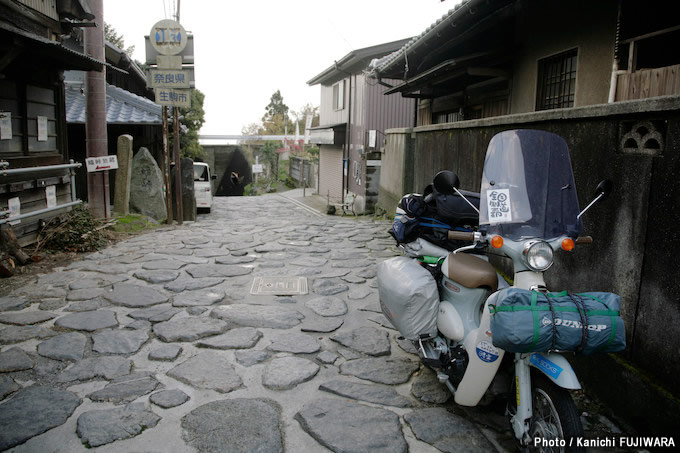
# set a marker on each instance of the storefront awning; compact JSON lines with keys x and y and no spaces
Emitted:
{"x":329,"y":134}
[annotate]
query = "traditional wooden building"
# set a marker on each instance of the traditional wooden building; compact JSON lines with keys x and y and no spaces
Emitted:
{"x":36,"y":175}
{"x":354,"y":115}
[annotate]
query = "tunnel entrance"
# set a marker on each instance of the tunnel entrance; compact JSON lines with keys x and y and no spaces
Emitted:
{"x":232,"y":169}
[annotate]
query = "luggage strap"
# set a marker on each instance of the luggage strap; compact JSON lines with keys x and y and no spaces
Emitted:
{"x":581,"y":306}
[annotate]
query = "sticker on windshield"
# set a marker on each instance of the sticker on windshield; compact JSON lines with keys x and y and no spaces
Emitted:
{"x":498,"y":205}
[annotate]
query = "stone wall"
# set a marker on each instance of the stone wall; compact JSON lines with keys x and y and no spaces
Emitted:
{"x":636,"y":144}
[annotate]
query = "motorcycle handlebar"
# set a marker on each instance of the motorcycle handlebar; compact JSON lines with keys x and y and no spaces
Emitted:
{"x":461,"y":235}
{"x":582,"y":240}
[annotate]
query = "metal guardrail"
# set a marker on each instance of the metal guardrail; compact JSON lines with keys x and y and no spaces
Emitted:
{"x":4,"y":215}
{"x":39,"y":212}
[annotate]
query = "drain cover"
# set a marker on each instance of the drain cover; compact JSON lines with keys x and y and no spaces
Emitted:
{"x":279,"y":286}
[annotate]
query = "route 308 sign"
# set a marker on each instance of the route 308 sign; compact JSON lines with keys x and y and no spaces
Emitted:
{"x":168,"y":37}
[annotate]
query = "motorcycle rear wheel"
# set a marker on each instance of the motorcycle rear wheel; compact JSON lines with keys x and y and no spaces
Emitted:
{"x":555,"y":418}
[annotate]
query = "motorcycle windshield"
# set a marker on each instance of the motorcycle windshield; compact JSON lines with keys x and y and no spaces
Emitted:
{"x":528,"y":188}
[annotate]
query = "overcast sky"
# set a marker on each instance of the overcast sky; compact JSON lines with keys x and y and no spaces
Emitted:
{"x":247,"y":49}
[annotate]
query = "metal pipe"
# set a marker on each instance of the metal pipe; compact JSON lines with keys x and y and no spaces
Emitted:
{"x":39,"y":212}
{"x":73,"y":183}
{"x":17,"y":171}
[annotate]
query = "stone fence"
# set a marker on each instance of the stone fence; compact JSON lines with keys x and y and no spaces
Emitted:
{"x":636,"y":144}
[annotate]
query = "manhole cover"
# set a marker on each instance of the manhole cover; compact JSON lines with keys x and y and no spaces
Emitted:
{"x":279,"y":286}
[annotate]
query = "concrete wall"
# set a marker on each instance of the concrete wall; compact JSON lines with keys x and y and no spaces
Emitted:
{"x":634,"y":253}
{"x":547,"y":28}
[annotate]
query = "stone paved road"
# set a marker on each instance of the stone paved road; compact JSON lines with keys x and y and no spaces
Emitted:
{"x":156,"y":344}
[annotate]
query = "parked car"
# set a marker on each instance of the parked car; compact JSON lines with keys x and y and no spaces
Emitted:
{"x":203,"y":186}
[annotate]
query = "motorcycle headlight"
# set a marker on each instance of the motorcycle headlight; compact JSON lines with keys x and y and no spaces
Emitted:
{"x":538,"y":256}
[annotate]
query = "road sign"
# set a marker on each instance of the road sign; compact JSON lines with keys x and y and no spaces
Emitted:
{"x":173,"y":97}
{"x":169,"y":61}
{"x":101,"y":163}
{"x":170,"y":78}
{"x":258,"y":168}
{"x":168,"y":37}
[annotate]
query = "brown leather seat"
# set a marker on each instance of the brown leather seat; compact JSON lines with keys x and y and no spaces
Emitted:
{"x":472,"y":272}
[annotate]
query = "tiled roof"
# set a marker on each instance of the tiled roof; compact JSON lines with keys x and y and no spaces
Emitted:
{"x":122,"y":107}
{"x":378,"y":66}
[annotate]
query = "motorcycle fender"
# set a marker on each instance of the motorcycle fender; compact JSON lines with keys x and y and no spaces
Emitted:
{"x":483,"y":362}
{"x":556,"y":368}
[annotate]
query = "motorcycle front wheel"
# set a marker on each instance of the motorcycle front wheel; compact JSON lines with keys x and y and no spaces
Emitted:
{"x":555,"y":421}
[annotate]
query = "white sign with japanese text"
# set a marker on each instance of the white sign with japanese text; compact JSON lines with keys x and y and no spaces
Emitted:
{"x":5,"y":126}
{"x":42,"y":128}
{"x":498,"y":206}
{"x":169,"y":78}
{"x":14,"y":206}
{"x":101,"y":163}
{"x":258,"y":168}
{"x":51,"y":196}
{"x":173,"y":97}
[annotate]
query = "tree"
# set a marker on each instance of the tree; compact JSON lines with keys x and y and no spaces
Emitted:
{"x":191,"y":121}
{"x":301,"y":116}
{"x":276,"y":119}
{"x":111,"y":35}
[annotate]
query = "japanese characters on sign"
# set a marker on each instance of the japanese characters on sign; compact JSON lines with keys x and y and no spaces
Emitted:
{"x":101,"y":163}
{"x":168,"y":37}
{"x":164,"y":78}
{"x":173,"y":97}
{"x":51,"y":196}
{"x":498,"y":204}
{"x":42,"y":128}
{"x":5,"y":125}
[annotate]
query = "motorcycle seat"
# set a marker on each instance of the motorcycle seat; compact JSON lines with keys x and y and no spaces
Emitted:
{"x":470,"y":271}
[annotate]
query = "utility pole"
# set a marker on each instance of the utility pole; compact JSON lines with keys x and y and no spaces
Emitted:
{"x":96,"y":141}
{"x":175,"y":146}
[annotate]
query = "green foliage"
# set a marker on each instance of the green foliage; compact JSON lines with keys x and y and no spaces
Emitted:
{"x":111,"y":35}
{"x":133,"y":223}
{"x":275,"y":119}
{"x":193,"y":119}
{"x":270,"y":157}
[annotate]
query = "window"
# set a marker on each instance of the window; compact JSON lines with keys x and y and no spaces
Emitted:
{"x":556,"y":81}
{"x":339,"y":95}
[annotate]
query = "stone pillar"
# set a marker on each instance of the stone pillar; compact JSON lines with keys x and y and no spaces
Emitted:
{"x":121,"y":199}
{"x":188,"y":195}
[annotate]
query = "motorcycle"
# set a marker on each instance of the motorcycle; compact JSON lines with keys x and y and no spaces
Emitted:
{"x":528,"y":210}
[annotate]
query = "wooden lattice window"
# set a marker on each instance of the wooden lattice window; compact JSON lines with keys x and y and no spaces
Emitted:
{"x":556,"y":81}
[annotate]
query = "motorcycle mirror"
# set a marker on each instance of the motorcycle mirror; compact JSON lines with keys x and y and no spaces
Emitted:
{"x":602,"y":191}
{"x":604,"y":188}
{"x":446,"y":182}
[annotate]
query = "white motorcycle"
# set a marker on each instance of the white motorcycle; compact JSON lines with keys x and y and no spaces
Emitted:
{"x":528,"y":210}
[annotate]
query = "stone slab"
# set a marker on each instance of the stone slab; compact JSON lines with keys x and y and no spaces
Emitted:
{"x":100,"y":427}
{"x":165,"y":352}
{"x":344,"y":426}
{"x":239,"y":338}
{"x":96,"y":367}
{"x":25,"y":318}
{"x":14,"y":359}
{"x":287,"y":372}
{"x":158,"y":313}
{"x":33,"y":411}
{"x":197,"y":298}
{"x":275,"y":317}
{"x":295,"y":343}
{"x":126,"y":389}
{"x":381,"y":370}
{"x":218,"y":270}
{"x":119,"y":341}
{"x":446,"y":431}
{"x":135,"y":296}
{"x":67,"y":346}
{"x":169,"y":398}
{"x":367,"y":340}
{"x":88,"y":321}
{"x":327,"y":306}
{"x":190,"y":284}
{"x":372,"y":393}
{"x":207,"y":370}
{"x":189,"y":329}
{"x":256,"y":423}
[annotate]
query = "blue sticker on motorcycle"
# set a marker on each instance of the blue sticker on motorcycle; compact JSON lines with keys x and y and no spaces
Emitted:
{"x":487,"y":352}
{"x":545,"y":365}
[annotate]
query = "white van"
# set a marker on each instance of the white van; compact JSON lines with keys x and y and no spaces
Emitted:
{"x":202,"y":185}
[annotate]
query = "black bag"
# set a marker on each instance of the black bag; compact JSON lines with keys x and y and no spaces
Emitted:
{"x":455,"y":211}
